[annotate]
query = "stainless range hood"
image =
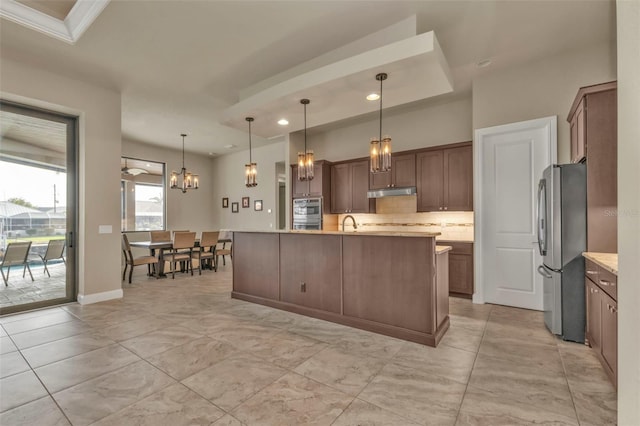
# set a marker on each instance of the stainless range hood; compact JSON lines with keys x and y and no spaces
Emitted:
{"x":391,"y":192}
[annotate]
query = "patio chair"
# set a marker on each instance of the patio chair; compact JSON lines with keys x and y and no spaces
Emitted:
{"x":16,"y":255}
{"x":55,"y":250}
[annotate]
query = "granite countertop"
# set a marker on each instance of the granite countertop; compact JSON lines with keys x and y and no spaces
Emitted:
{"x":361,"y":233}
{"x":443,"y":249}
{"x":445,"y":238}
{"x":608,"y":261}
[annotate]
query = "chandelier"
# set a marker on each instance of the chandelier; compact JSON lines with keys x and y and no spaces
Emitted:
{"x":251,"y":168}
{"x":305,"y":159}
{"x":380,"y":148}
{"x":189,"y":180}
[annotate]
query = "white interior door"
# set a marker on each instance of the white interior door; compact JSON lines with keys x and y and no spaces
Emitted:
{"x":509,"y":161}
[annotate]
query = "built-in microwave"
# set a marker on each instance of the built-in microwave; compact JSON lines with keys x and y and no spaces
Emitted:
{"x":307,"y":213}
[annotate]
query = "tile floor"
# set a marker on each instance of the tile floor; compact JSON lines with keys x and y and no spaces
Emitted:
{"x":177,"y":352}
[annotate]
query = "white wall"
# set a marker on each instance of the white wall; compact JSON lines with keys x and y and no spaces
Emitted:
{"x":409,"y":127}
{"x":194,"y":210}
{"x":628,"y":19}
{"x":99,"y":162}
{"x":228,"y":181}
{"x":540,"y":89}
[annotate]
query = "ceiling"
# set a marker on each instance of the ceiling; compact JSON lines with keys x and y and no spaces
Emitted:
{"x":180,"y":64}
{"x":58,"y":9}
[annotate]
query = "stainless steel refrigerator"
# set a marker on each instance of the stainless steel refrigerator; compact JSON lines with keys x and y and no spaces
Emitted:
{"x":562,"y":237}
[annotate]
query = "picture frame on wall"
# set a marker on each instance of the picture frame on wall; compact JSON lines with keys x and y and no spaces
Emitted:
{"x":257,"y":205}
{"x":245,"y":202}
{"x":225,"y":203}
{"x":235,"y":207}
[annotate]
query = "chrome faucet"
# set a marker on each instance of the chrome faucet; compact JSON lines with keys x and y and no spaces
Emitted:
{"x":355,"y":225}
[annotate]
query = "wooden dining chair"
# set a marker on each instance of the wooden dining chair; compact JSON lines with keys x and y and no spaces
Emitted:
{"x":206,"y":251}
{"x":226,"y":250}
{"x":160,"y":236}
{"x":55,"y":250}
{"x":134,"y":261}
{"x":182,"y":251}
{"x":16,"y":255}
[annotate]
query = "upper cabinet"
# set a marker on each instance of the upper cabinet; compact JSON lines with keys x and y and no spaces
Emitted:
{"x":349,"y":186}
{"x":593,"y":124}
{"x":402,"y":174}
{"x":319,"y":186}
{"x":445,"y":178}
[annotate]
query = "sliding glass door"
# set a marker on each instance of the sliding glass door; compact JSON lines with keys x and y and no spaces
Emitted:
{"x":38,"y":199}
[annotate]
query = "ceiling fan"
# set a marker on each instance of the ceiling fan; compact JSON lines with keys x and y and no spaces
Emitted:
{"x":133,"y":171}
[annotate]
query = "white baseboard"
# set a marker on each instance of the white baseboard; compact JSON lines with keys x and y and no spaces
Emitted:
{"x":99,"y":297}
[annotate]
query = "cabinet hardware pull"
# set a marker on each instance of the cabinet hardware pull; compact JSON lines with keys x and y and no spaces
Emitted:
{"x":445,"y":208}
{"x":440,"y":208}
{"x":605,"y":283}
{"x":592,"y":272}
{"x":614,"y":310}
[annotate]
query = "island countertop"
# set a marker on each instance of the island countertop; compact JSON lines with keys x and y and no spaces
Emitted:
{"x":359,"y":233}
{"x":608,"y":261}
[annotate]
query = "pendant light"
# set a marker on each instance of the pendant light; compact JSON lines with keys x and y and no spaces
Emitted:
{"x":189,"y":180}
{"x":251,"y":168}
{"x":306,"y":158}
{"x":380,"y":148}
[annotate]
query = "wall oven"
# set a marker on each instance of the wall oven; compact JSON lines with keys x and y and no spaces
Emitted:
{"x":307,"y":213}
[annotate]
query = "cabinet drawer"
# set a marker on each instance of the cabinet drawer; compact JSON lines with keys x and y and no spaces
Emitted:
{"x":591,"y":270}
{"x":608,"y":282}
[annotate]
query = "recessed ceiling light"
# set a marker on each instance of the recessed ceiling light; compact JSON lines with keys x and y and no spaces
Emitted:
{"x":148,"y":165}
{"x":373,"y":97}
{"x":211,"y":153}
{"x":230,"y":146}
{"x":283,"y":122}
{"x":483,"y":63}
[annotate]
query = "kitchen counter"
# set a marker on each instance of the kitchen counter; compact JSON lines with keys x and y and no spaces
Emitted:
{"x":608,"y":261}
{"x":393,"y":283}
{"x":444,"y":238}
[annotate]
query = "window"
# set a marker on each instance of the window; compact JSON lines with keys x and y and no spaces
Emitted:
{"x":143,"y":194}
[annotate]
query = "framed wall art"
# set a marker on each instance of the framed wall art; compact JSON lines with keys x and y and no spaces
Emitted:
{"x":225,"y":203}
{"x":245,"y":202}
{"x":235,"y":207}
{"x":257,"y":205}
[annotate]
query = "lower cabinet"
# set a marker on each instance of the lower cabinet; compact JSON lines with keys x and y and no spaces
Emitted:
{"x":310,"y":268}
{"x":602,"y":318}
{"x":460,"y":268}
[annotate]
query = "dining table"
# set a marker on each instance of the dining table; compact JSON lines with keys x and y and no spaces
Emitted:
{"x":159,"y":247}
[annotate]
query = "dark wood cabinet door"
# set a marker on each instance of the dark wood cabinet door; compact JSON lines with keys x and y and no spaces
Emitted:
{"x":460,"y":274}
{"x":581,"y":137}
{"x":403,"y":170}
{"x":458,"y":179}
{"x":429,"y":176}
{"x":310,"y":271}
{"x":594,"y":297}
{"x":610,"y":333}
{"x":380,"y":180}
{"x":340,"y":188}
{"x":359,"y":186}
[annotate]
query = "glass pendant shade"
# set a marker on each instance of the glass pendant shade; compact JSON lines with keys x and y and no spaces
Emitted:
{"x":251,"y":168}
{"x":251,"y":174}
{"x":189,"y":180}
{"x":306,"y":157}
{"x":380,"y":148}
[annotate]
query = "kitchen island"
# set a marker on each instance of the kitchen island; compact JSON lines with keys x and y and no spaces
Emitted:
{"x":391,"y":283}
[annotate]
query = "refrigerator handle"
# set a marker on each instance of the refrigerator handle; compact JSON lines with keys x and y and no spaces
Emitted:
{"x":542,"y":271}
{"x":542,"y":212}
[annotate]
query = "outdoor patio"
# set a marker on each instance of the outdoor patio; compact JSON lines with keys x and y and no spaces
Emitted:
{"x":23,"y":290}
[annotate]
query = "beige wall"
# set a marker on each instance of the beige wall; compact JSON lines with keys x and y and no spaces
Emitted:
{"x":228,"y":181}
{"x":194,"y":210}
{"x":541,"y":89}
{"x":409,"y":127}
{"x":99,"y":160}
{"x":629,"y":212}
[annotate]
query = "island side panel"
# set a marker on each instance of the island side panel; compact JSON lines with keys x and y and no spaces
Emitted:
{"x":315,"y":261}
{"x":390,"y":280}
{"x":255,"y":264}
{"x":442,"y":288}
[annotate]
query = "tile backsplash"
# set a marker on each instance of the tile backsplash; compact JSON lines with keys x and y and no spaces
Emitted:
{"x":456,"y":226}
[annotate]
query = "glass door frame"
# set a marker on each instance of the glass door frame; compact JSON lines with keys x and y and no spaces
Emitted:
{"x":72,"y":123}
